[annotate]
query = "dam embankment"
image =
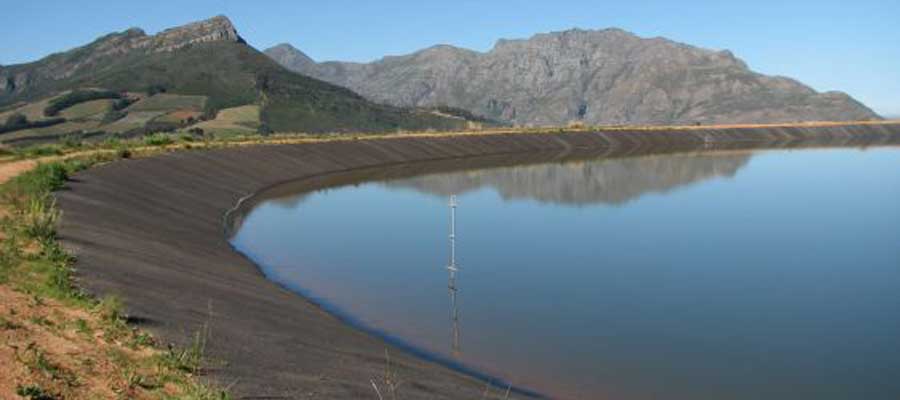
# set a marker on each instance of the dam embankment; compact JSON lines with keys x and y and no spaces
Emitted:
{"x":151,"y":231}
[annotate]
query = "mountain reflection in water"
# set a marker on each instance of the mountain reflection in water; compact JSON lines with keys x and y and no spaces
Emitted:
{"x":598,"y":181}
{"x":606,"y":181}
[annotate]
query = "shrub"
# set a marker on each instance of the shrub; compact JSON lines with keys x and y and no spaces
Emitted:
{"x":110,"y":309}
{"x":72,"y":140}
{"x":57,"y":272}
{"x":187,"y":360}
{"x":158,"y":139}
{"x":113,"y":116}
{"x":34,"y":392}
{"x":45,"y":178}
{"x":123,"y":152}
{"x":123,"y":103}
{"x":40,"y":219}
{"x":16,"y":120}
{"x":155,"y":89}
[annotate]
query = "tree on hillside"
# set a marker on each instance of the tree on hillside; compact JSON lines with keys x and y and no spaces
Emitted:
{"x":16,"y":120}
{"x":153,"y":90}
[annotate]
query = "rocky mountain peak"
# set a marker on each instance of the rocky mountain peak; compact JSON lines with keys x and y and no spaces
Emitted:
{"x":218,"y":28}
{"x":605,"y":76}
{"x":286,"y":48}
{"x":290,"y":55}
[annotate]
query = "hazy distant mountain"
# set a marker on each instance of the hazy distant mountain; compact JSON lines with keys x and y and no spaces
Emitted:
{"x":599,"y":77}
{"x":210,"y":59}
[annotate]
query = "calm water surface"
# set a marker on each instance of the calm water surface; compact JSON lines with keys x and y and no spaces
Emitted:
{"x":771,"y":275}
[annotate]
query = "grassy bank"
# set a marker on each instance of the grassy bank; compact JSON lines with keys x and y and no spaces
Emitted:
{"x":60,"y":343}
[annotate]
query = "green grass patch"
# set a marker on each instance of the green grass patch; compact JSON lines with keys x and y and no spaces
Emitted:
{"x":45,"y":271}
{"x":42,"y":150}
{"x":158,"y":139}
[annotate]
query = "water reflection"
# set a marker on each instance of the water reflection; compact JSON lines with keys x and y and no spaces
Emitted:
{"x":599,"y":181}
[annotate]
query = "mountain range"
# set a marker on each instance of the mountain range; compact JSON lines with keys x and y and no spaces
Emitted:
{"x":607,"y":76}
{"x":203,"y":76}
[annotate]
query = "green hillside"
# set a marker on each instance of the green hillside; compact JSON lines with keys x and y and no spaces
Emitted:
{"x":227,"y":73}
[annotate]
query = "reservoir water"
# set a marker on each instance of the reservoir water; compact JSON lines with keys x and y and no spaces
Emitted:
{"x":730,"y":275}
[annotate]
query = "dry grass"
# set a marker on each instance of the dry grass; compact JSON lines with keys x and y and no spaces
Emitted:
{"x":58,"y":351}
{"x":243,"y":119}
{"x":62,"y":352}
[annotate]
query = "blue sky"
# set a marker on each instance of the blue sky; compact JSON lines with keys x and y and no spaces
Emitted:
{"x":830,"y":45}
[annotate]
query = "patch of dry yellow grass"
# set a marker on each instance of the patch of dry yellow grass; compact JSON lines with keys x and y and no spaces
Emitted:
{"x":244,"y":119}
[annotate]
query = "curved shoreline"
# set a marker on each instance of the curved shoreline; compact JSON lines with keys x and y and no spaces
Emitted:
{"x":150,"y":230}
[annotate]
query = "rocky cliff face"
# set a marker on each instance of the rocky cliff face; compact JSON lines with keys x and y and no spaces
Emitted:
{"x":598,"y":77}
{"x":17,"y":79}
{"x":215,"y":29}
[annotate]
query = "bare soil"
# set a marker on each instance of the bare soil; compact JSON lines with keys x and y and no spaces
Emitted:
{"x":62,"y":351}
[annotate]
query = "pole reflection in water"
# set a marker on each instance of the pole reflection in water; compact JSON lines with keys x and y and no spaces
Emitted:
{"x":452,"y":268}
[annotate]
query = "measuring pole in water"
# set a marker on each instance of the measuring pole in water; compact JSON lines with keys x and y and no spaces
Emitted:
{"x":451,"y":284}
{"x":452,"y":266}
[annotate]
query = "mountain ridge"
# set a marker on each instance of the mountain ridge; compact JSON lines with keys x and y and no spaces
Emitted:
{"x":607,"y":76}
{"x":208,"y":58}
{"x":60,"y":65}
